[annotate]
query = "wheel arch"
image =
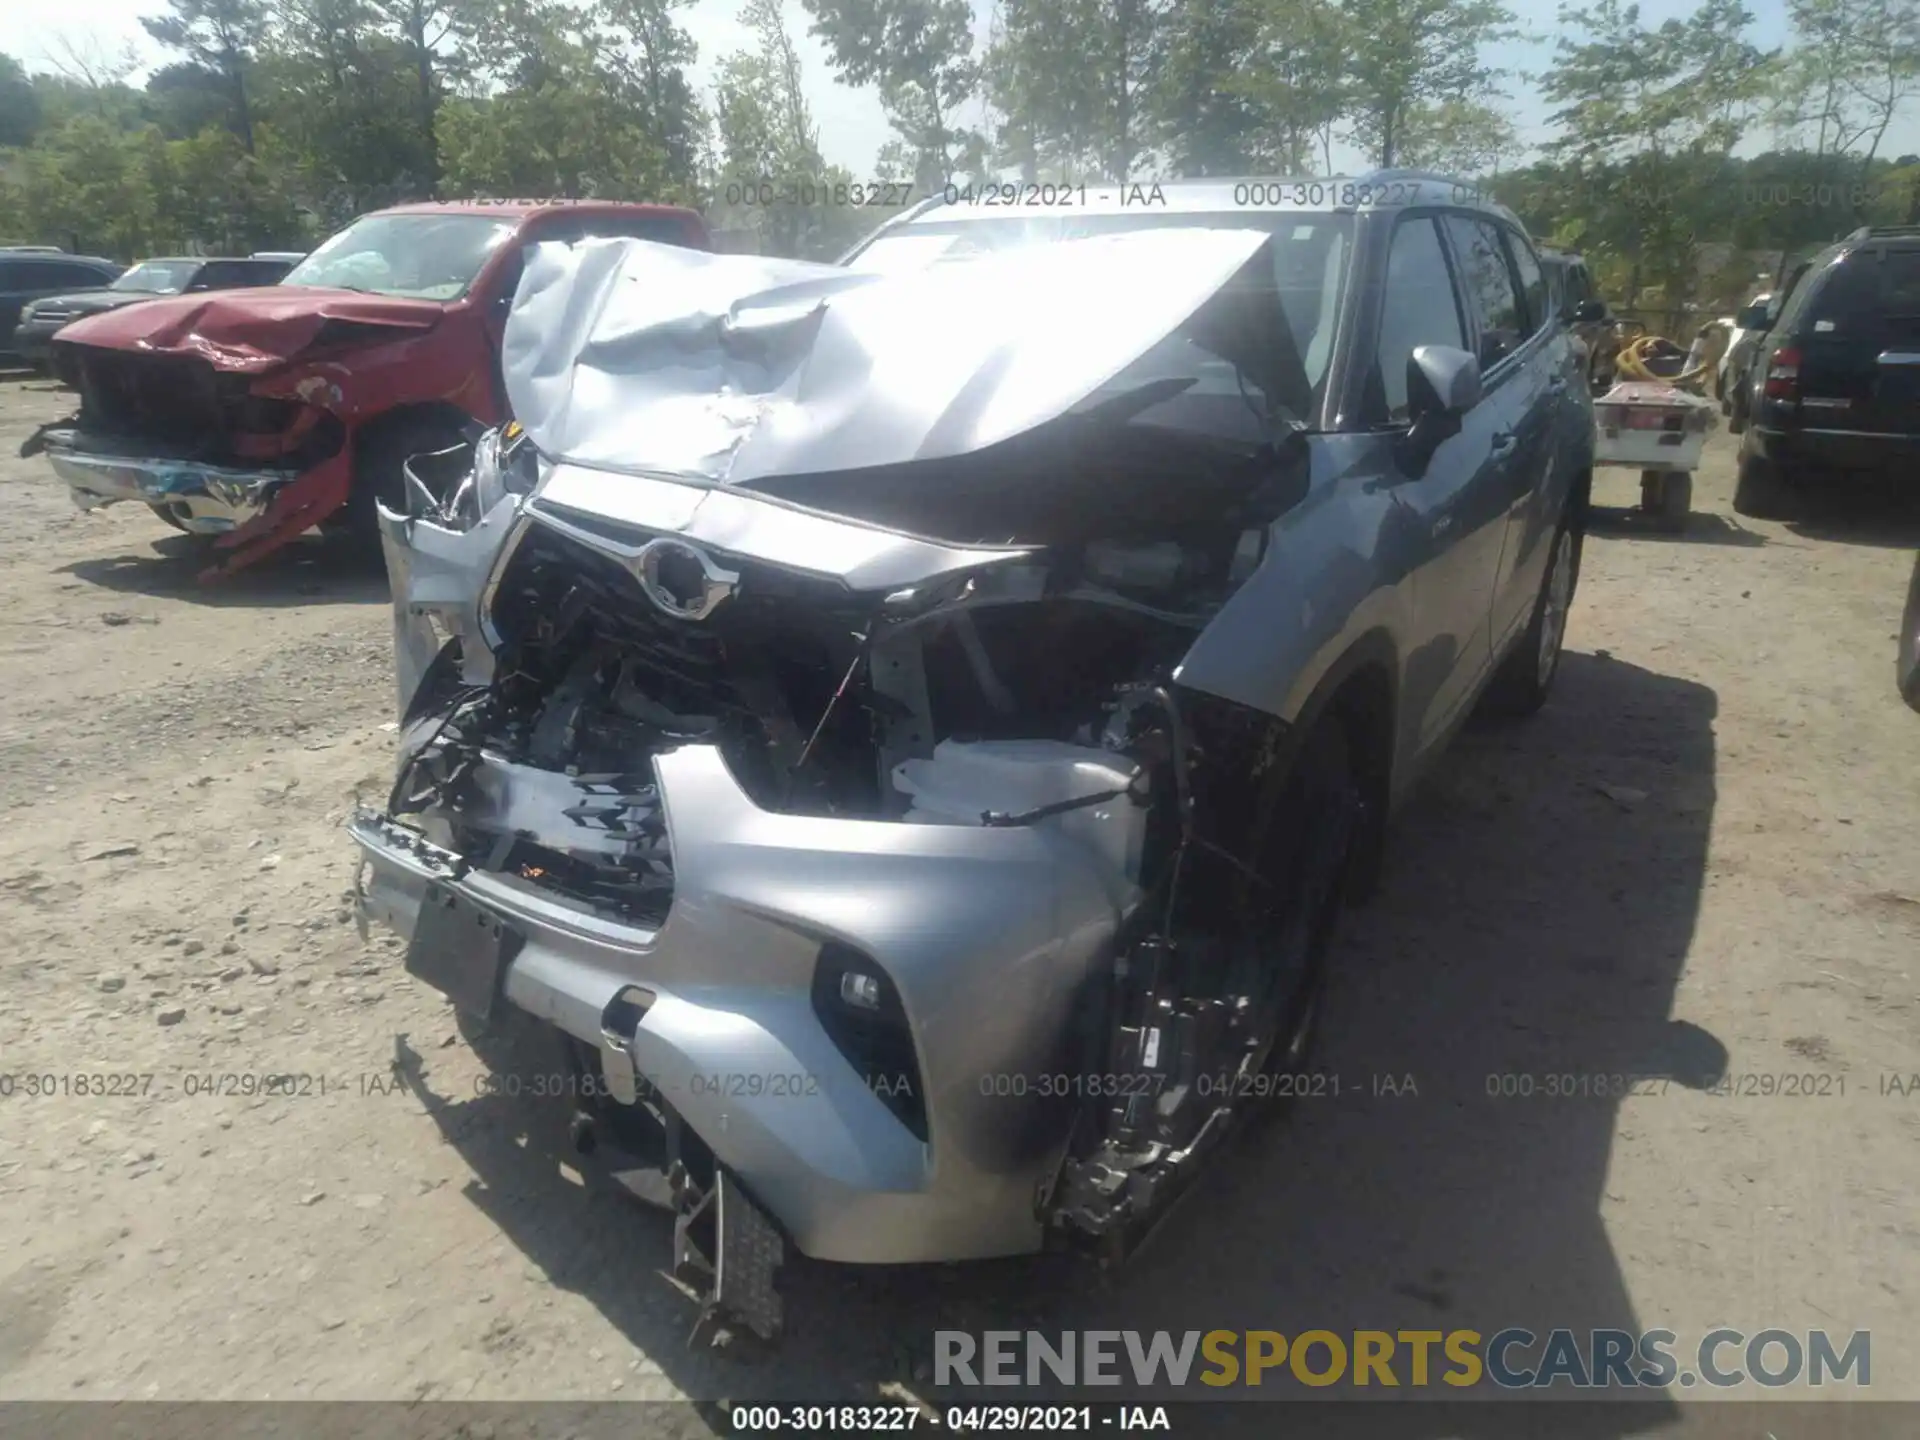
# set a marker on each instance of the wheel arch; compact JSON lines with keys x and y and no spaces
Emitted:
{"x":389,"y":423}
{"x":1360,"y":692}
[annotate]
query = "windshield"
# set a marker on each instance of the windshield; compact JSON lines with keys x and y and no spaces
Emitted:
{"x":1304,"y":270}
{"x":158,"y":277}
{"x":419,"y":257}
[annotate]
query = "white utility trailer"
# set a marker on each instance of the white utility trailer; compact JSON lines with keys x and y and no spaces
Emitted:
{"x":1659,"y":430}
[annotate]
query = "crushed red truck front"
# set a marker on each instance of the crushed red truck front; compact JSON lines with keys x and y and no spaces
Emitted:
{"x":254,"y":416}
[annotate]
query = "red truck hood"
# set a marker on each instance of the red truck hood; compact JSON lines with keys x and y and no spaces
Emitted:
{"x":251,"y":330}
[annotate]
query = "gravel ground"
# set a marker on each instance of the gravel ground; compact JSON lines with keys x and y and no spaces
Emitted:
{"x":1701,"y":859}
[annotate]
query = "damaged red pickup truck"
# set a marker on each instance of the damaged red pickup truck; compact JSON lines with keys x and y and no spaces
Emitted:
{"x":255,"y":415}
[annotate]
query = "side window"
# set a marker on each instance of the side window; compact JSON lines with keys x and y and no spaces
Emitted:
{"x":50,"y":275}
{"x":1533,"y":285}
{"x":1417,"y":308}
{"x":1488,"y":281}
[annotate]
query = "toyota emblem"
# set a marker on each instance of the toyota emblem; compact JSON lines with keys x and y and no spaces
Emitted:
{"x":681,"y":579}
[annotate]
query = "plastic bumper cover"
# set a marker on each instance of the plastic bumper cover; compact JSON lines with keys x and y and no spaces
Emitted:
{"x":989,"y":935}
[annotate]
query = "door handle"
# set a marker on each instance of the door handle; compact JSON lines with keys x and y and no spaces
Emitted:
{"x":1557,"y":385}
{"x":1503,"y":445}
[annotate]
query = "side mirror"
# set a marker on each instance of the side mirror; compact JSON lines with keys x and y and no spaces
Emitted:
{"x":1443,"y":384}
{"x":1754,"y":317}
{"x":1588,"y":312}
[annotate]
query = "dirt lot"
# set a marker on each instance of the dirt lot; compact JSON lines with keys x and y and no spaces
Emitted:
{"x":1702,"y":859}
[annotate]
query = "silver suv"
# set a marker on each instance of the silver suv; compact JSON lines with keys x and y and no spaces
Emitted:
{"x":905,"y":729}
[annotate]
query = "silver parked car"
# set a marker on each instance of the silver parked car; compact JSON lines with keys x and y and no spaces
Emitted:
{"x":907,"y":727}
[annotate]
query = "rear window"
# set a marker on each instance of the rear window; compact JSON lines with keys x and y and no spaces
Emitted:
{"x":1863,"y":290}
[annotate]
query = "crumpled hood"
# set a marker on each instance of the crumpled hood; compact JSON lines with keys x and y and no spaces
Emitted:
{"x":635,"y":356}
{"x":247,"y":330}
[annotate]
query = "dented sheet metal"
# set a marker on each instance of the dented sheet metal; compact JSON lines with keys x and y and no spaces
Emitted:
{"x":638,"y":357}
{"x":250,"y":331}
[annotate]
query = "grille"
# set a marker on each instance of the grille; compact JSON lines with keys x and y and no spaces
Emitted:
{"x":168,"y":398}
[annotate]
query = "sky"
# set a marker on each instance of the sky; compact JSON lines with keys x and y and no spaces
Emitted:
{"x":852,"y":127}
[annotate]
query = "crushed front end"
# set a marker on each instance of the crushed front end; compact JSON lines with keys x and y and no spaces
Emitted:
{"x":204,"y":448}
{"x":887,"y":890}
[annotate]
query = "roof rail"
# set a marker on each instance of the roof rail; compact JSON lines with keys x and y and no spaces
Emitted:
{"x":1871,"y":232}
{"x":1398,"y":172}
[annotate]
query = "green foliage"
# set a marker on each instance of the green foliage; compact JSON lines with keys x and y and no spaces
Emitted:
{"x":275,"y":121}
{"x":772,"y":189}
{"x":920,"y":55}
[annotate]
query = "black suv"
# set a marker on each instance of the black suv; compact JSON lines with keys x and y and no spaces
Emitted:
{"x":1835,"y":383}
{"x":29,"y":272}
{"x":165,"y":275}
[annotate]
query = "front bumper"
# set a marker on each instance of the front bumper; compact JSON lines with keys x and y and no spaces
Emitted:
{"x":990,"y":935}
{"x":205,"y":499}
{"x":33,"y":342}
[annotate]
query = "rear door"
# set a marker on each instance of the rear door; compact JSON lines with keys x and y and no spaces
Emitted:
{"x":1859,"y":341}
{"x":1549,"y":418}
{"x":1520,"y":395}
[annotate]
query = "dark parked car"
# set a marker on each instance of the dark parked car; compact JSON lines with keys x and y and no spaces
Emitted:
{"x":1834,"y":387}
{"x":28,"y":273}
{"x":39,"y":319}
{"x":1028,"y":627}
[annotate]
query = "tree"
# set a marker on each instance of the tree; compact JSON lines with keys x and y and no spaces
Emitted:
{"x":920,"y":55}
{"x":422,"y":26}
{"x":650,"y":53}
{"x":221,"y":37}
{"x":1297,"y":77}
{"x":1853,"y":67}
{"x":1649,"y":118}
{"x":1072,"y":77}
{"x":19,"y":103}
{"x":1404,"y":56}
{"x":771,"y":179}
{"x":1459,"y":137}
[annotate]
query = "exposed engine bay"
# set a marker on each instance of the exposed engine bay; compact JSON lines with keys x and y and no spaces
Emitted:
{"x":938,"y":819}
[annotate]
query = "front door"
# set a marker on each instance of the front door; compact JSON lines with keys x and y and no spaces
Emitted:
{"x":1454,"y":507}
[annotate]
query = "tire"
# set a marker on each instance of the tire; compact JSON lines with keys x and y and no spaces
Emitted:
{"x":1525,"y":677}
{"x":1763,"y":491}
{"x":378,"y":476}
{"x":1319,"y":819}
{"x":1908,"y":669}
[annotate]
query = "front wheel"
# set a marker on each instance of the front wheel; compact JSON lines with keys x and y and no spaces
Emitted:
{"x":379,"y":470}
{"x":1525,"y":678}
